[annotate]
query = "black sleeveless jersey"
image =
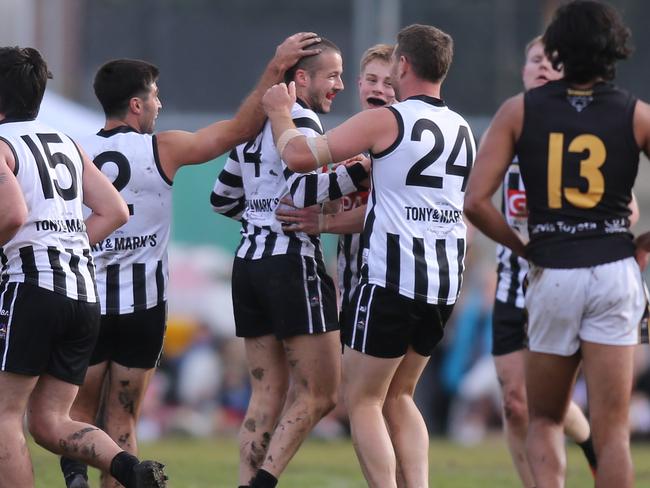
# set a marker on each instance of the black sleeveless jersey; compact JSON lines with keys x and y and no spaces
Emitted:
{"x":578,"y":159}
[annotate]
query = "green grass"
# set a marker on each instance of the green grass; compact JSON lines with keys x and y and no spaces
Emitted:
{"x":212,"y":463}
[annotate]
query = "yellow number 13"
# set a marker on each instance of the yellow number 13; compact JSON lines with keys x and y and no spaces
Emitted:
{"x":589,"y":169}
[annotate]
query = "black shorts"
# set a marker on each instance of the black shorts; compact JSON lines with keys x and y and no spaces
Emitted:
{"x":286,"y":295}
{"x":43,"y":332}
{"x":508,"y":329}
{"x":133,"y":340}
{"x":383,"y":323}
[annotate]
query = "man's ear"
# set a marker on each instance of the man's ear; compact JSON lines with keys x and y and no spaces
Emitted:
{"x":301,"y":78}
{"x":135,"y":105}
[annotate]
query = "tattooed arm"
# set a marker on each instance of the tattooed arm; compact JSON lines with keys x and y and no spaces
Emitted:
{"x":13,"y":209}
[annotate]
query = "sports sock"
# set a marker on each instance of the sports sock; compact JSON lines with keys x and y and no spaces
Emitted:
{"x":122,"y":468}
{"x":588,"y":449}
{"x":264,"y":479}
{"x":70,"y":467}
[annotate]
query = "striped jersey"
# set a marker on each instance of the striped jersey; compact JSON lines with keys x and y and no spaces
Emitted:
{"x":51,"y":249}
{"x":414,"y":229}
{"x":350,"y":251}
{"x":255,"y":179}
{"x":132,"y":265}
{"x":511,"y":269}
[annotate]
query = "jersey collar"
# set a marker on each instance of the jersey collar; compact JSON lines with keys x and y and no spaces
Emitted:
{"x":120,"y":129}
{"x":427,"y":99}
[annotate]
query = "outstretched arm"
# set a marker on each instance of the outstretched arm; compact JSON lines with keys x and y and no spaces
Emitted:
{"x":13,"y":209}
{"x":494,"y":155}
{"x":178,"y":148}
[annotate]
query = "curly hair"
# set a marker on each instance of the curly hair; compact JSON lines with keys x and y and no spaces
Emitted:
{"x":586,"y":38}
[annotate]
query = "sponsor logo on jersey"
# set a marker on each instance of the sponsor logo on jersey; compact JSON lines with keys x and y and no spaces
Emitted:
{"x":262,"y":204}
{"x":516,"y":203}
{"x":68,"y":225}
{"x":354,"y":200}
{"x":428,"y":214}
{"x":127,"y":243}
{"x":4,"y":313}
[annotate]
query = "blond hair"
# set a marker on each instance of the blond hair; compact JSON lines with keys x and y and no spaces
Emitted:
{"x":381,"y":52}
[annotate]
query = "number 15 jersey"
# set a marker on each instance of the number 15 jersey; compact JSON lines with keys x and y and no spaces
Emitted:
{"x":132,"y":265}
{"x":414,"y":231}
{"x":51,"y":249}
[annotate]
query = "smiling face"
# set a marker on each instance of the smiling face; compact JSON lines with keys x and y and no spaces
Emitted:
{"x":538,"y":70}
{"x":324,"y":82}
{"x":375,"y":88}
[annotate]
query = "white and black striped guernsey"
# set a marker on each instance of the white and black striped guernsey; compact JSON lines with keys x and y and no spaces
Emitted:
{"x":350,"y":251}
{"x":414,"y":229}
{"x":511,"y":269}
{"x":51,"y":250}
{"x":132,"y":266}
{"x":255,"y":179}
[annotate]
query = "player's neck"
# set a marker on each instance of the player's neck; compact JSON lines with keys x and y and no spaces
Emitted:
{"x":112,"y":123}
{"x":416,"y":87}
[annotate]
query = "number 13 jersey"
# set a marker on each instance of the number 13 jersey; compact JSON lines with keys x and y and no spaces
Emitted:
{"x":132,"y":265}
{"x":51,"y":249}
{"x":414,"y":231}
{"x":578,"y":159}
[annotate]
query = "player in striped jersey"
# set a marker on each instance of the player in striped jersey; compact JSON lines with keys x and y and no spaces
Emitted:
{"x":284,"y":302}
{"x":49,"y":315}
{"x":509,"y":317}
{"x":132,"y":270}
{"x":375,"y":90}
{"x":578,"y":141}
{"x":421,"y":153}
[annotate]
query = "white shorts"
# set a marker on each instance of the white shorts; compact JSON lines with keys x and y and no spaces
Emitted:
{"x":602,"y":304}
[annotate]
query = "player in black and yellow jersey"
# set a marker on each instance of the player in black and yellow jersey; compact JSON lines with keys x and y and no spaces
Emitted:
{"x":578,"y":142}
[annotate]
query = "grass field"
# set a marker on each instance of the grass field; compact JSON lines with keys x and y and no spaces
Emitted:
{"x":213,"y":464}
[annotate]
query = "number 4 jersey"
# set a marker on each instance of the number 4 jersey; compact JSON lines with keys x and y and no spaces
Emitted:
{"x":578,"y":159}
{"x":414,"y":230}
{"x":51,"y":249}
{"x":132,"y":266}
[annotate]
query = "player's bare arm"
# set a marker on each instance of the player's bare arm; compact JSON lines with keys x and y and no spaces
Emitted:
{"x":109,"y":210}
{"x":373,"y":130}
{"x":642,"y":136}
{"x":13,"y":209}
{"x":178,"y":148}
{"x":493,"y":158}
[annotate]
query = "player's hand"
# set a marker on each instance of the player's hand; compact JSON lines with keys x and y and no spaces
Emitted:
{"x":279,"y":98}
{"x":294,"y":219}
{"x":295,"y":47}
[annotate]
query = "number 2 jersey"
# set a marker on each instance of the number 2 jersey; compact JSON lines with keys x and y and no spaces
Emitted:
{"x":414,"y":229}
{"x":51,"y":249}
{"x":578,"y":159}
{"x":132,"y":264}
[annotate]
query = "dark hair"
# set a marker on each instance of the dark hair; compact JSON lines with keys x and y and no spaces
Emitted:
{"x":428,"y":49}
{"x":310,"y":63}
{"x":586,"y":38}
{"x":23,"y":77}
{"x":119,"y":80}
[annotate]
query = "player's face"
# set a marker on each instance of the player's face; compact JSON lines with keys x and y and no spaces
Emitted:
{"x":375,"y":88}
{"x":150,"y":107}
{"x":325,"y":82}
{"x":538,"y":69}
